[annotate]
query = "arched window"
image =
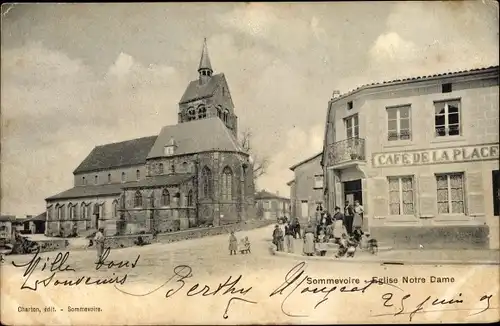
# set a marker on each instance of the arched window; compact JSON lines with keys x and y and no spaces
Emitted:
{"x":219,"y":112}
{"x":96,"y":179}
{"x":202,"y":112}
{"x":161,"y":169}
{"x":109,"y":177}
{"x":206,"y":179}
{"x":190,"y":198}
{"x":72,"y":211}
{"x":115,"y":208}
{"x":84,"y":211}
{"x":138,"y":199}
{"x":227,"y":183}
{"x":84,"y":181}
{"x":124,"y":177}
{"x":165,"y":198}
{"x":137,"y":175}
{"x":191,"y":114}
{"x":172,"y":168}
{"x":185,"y":167}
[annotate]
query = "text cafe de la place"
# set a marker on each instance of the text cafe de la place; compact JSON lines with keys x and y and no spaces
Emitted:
{"x":436,"y":156}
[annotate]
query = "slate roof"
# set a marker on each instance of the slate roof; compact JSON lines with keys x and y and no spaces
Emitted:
{"x":196,"y":91}
{"x":126,"y":153}
{"x":196,"y":136}
{"x":263,"y":194}
{"x":39,"y":217}
{"x":305,"y":161}
{"x":162,"y":180}
{"x":91,"y":191}
{"x":419,"y":78}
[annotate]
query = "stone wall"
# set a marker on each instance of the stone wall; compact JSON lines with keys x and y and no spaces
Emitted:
{"x":195,"y":233}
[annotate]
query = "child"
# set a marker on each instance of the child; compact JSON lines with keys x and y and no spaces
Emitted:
{"x":233,"y":243}
{"x":321,"y":244}
{"x":352,"y":244}
{"x":343,"y":245}
{"x":245,"y":246}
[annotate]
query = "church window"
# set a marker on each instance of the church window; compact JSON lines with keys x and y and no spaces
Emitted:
{"x":138,"y":199}
{"x":71,"y":211}
{"x":109,"y":177}
{"x":160,"y":168}
{"x":190,"y":198}
{"x":191,"y":114}
{"x":206,"y":179}
{"x":96,"y":179}
{"x":168,"y":150}
{"x":202,"y":112}
{"x":84,"y":181}
{"x":219,"y":113}
{"x":165,"y":198}
{"x":185,"y":167}
{"x":227,"y":183}
{"x":115,"y":208}
{"x":172,"y":168}
{"x":137,"y":175}
{"x":84,"y":211}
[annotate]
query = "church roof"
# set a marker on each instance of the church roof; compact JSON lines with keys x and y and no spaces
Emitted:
{"x":196,"y":136}
{"x":90,"y":191}
{"x":126,"y":153}
{"x":205,"y":59}
{"x":196,"y":91}
{"x":116,"y":188}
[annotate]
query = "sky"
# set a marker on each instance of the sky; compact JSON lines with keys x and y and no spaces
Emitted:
{"x":74,"y":76}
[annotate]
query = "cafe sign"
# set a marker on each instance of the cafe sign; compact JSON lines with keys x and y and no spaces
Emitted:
{"x":437,"y":156}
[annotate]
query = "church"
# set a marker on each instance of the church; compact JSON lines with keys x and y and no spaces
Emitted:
{"x":192,"y":174}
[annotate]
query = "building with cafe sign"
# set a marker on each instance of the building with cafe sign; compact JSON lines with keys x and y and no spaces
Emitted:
{"x":421,"y":155}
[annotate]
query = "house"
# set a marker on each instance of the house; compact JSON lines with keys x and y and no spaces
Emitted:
{"x":306,"y":188}
{"x":271,"y":206}
{"x":421,"y":155}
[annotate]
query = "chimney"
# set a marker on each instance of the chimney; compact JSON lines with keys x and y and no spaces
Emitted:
{"x":335,"y":94}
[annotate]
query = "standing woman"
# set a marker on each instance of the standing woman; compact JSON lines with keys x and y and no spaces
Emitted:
{"x":99,"y":242}
{"x":309,"y":240}
{"x":338,"y":224}
{"x":357,"y":222}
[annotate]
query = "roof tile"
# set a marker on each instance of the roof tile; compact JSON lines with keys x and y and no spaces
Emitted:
{"x":126,"y":153}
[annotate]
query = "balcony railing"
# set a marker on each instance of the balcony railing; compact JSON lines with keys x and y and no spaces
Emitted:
{"x":349,"y":150}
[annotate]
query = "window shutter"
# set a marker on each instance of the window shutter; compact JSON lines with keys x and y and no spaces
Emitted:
{"x":380,"y":200}
{"x":427,"y":194}
{"x":475,"y":195}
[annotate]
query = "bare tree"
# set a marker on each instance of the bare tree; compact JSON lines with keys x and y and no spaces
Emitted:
{"x":260,"y":163}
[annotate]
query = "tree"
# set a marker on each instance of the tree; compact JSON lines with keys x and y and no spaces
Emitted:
{"x":260,"y":163}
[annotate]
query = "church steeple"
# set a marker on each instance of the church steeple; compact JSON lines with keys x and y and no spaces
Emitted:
{"x":205,"y":67}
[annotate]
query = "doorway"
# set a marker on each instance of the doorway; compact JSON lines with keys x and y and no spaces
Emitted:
{"x":496,"y":192}
{"x":353,"y":191}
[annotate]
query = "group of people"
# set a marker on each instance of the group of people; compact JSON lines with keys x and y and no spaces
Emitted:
{"x":285,"y":232}
{"x":344,"y":228}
